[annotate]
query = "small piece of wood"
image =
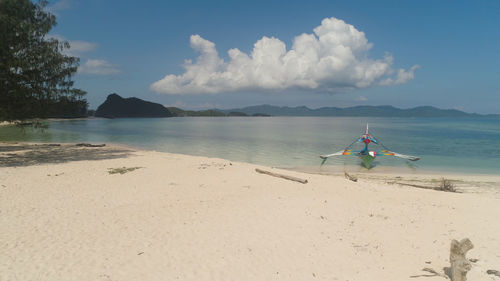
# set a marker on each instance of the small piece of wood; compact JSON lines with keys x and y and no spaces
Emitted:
{"x":493,"y":272}
{"x":460,"y":265}
{"x":281,"y":176}
{"x":351,"y":178}
{"x":431,"y":270}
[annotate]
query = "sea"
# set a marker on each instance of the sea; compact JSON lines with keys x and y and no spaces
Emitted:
{"x":457,"y":145}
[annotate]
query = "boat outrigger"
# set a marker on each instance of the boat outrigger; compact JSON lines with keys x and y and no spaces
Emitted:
{"x":367,"y":156}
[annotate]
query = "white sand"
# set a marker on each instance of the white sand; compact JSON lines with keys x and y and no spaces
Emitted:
{"x":5,"y":123}
{"x":194,"y":218}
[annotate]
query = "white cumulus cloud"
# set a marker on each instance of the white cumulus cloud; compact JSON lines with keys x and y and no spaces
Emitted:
{"x":402,"y":76}
{"x":334,"y":58}
{"x":98,"y":67}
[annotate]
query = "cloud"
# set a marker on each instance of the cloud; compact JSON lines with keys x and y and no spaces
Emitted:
{"x":77,"y":47}
{"x":98,"y":67}
{"x":402,"y":76}
{"x":332,"y":59}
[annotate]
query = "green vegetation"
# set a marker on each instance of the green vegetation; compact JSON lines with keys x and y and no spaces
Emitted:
{"x":236,"y":113}
{"x":117,"y":107}
{"x":35,"y":74}
{"x":177,"y":112}
{"x":122,"y":170}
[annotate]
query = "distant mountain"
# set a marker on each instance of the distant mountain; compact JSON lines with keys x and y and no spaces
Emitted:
{"x":177,"y":112}
{"x":118,"y":107}
{"x":356,"y":111}
{"x":237,"y":114}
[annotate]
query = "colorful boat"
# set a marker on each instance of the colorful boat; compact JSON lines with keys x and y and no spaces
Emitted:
{"x":366,"y":155}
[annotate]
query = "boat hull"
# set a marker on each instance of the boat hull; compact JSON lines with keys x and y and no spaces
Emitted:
{"x":367,"y":161}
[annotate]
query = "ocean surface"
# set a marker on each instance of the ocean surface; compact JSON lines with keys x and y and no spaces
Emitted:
{"x":465,"y":145}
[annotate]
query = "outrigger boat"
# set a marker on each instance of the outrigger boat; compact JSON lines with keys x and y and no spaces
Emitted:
{"x":366,"y":155}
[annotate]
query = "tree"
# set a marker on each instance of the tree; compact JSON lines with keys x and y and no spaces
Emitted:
{"x":35,"y":74}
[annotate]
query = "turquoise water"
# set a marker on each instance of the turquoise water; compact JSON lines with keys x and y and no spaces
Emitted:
{"x":459,"y":145}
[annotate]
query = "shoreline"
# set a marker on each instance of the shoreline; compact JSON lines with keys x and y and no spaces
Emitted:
{"x":387,"y":169}
{"x":488,"y":184}
{"x":270,"y":148}
{"x":328,"y":169}
{"x":485,"y":184}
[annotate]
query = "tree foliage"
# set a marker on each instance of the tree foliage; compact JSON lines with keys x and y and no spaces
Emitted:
{"x":35,"y":74}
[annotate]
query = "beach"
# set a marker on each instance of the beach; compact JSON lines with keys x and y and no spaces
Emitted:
{"x":118,"y":213}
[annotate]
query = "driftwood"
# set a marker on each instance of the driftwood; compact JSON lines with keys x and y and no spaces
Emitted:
{"x":90,"y":145}
{"x":281,"y":176}
{"x":444,"y":186}
{"x":459,"y":263}
{"x":432,"y":271}
{"x":351,"y":178}
{"x":493,"y":272}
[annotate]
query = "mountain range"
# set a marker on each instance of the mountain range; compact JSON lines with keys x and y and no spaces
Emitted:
{"x":355,"y":111}
{"x":118,"y":107}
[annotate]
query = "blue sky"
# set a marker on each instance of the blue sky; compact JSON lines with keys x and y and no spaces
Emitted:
{"x":447,"y":51}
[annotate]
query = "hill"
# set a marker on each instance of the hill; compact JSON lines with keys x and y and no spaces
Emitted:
{"x":356,"y":111}
{"x":117,"y":107}
{"x":177,"y":112}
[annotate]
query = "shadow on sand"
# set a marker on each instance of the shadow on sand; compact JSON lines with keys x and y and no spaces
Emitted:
{"x":21,"y":155}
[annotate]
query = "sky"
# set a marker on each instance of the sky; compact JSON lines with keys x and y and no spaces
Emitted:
{"x":229,"y":54}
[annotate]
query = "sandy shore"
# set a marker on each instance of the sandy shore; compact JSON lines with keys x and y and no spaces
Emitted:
{"x":64,"y":216}
{"x":5,"y":123}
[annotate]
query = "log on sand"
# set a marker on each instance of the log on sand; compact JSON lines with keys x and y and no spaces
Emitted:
{"x":281,"y":176}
